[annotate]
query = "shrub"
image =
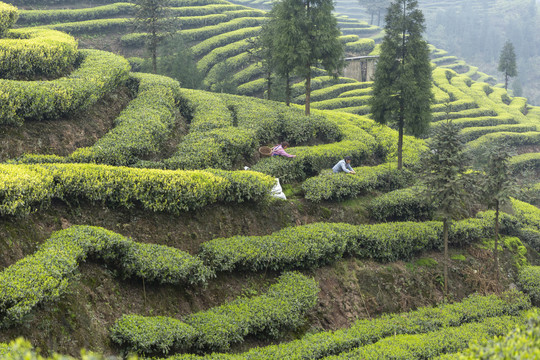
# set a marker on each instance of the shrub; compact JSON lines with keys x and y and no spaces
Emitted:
{"x":364,"y":332}
{"x":522,"y":342}
{"x":23,"y":188}
{"x":141,"y":127}
{"x":8,"y":16}
{"x":45,"y":275}
{"x":318,"y":244}
{"x":473,"y":133}
{"x":99,"y":73}
{"x":529,"y":280}
{"x":429,"y":345}
{"x":525,"y":161}
{"x":282,"y":307}
{"x":26,"y":186}
{"x":340,"y":186}
{"x":30,"y":53}
{"x":41,"y":17}
{"x":401,"y":205}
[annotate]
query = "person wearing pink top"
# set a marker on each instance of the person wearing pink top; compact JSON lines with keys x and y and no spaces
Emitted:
{"x":279,"y":150}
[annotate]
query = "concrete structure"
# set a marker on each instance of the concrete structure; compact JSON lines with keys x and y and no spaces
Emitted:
{"x":361,"y":68}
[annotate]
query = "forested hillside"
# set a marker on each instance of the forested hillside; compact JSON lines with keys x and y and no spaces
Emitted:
{"x":137,"y":215}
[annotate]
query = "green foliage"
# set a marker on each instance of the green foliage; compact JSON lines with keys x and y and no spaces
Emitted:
{"x":282,"y":307}
{"x":402,"y":88}
{"x":529,"y":280}
{"x":45,"y":275}
{"x":507,"y":62}
{"x":141,"y":127}
{"x":429,"y":345}
{"x":99,"y":73}
{"x":321,"y":243}
{"x":445,"y":173}
{"x":340,"y":186}
{"x":22,"y":349}
{"x":523,"y":162}
{"x":23,"y":188}
{"x":42,"y":17}
{"x":8,"y":16}
{"x":389,"y":326}
{"x":303,"y":34}
{"x":226,"y":129}
{"x":523,"y":342}
{"x":153,"y":189}
{"x":401,"y":205}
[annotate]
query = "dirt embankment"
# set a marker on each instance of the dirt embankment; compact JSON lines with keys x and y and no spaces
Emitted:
{"x":65,"y":135}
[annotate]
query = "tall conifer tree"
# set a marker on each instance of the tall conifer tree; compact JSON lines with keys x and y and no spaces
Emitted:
{"x":402,"y":93}
{"x":305,"y":34}
{"x":507,"y":62}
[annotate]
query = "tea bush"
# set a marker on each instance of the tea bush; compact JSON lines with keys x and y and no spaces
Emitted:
{"x":401,"y":205}
{"x":523,"y":342}
{"x":141,"y":127}
{"x":153,"y":189}
{"x":318,"y":244}
{"x":30,"y":53}
{"x":364,"y":332}
{"x":99,"y":73}
{"x":8,"y":16}
{"x":429,"y":345}
{"x":45,"y":275}
{"x":282,"y":307}
{"x":529,"y":281}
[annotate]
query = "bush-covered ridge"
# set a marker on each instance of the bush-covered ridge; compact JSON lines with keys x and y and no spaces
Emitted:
{"x":45,"y":275}
{"x":26,"y":188}
{"x":282,"y":307}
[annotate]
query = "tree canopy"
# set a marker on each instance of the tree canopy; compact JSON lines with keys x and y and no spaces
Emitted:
{"x":402,"y":93}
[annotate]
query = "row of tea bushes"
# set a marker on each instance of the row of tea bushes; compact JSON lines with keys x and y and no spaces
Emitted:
{"x":523,"y":342}
{"x":99,"y":73}
{"x":474,"y":133}
{"x":31,"y":53}
{"x":119,"y":9}
{"x":365,"y":332}
{"x":524,"y":162}
{"x":45,"y":275}
{"x":226,"y":128}
{"x":142,"y":126}
{"x":429,"y":345}
{"x":26,"y":187}
{"x":43,"y":17}
{"x":318,"y":244}
{"x":341,"y":186}
{"x":282,"y":307}
{"x":401,"y":205}
{"x":363,"y":139}
{"x":8,"y":16}
{"x":22,"y":349}
{"x":529,"y":281}
{"x":134,"y":40}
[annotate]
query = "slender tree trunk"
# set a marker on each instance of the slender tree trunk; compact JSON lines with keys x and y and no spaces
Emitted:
{"x":379,"y":18}
{"x":153,"y":50}
{"x":269,"y":85}
{"x":496,"y":247}
{"x":288,"y":90}
{"x":445,"y":269}
{"x":372,"y":16}
{"x":308,"y":90}
{"x":400,"y":145}
{"x":506,"y":81}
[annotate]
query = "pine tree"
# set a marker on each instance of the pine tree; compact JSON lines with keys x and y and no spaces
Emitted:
{"x":402,"y":93}
{"x":375,"y":7}
{"x":507,"y":62}
{"x":153,"y":17}
{"x":446,"y":180}
{"x":498,"y":186}
{"x":305,"y":34}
